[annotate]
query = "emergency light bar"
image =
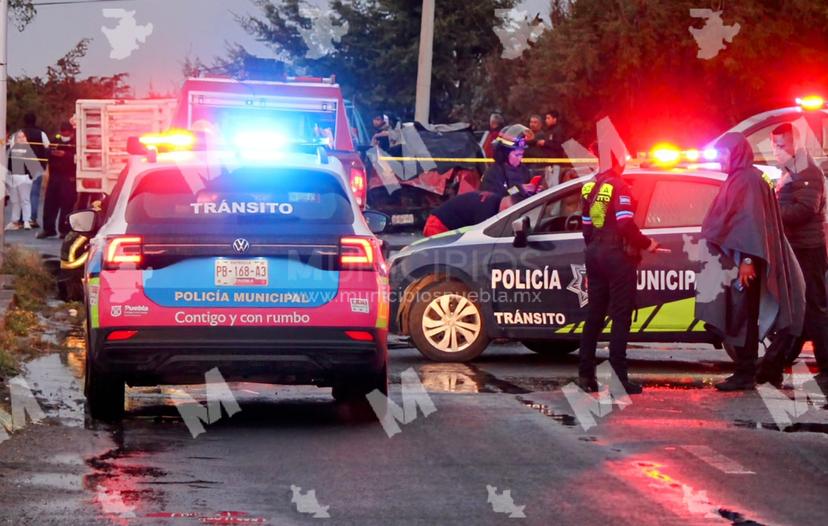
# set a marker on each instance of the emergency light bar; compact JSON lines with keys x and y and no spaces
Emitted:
{"x":811,"y":102}
{"x":668,"y":155}
{"x":258,"y":143}
{"x":169,"y":140}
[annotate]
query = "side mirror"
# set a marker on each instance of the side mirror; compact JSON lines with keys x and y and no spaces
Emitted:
{"x":83,"y":221}
{"x":377,"y":221}
{"x":134,"y":146}
{"x":521,"y":229}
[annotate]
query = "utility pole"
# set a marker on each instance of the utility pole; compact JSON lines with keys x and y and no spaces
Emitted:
{"x":4,"y":26}
{"x":421,"y":109}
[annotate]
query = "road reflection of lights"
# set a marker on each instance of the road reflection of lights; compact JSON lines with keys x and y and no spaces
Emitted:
{"x":449,"y":378}
{"x":657,"y":480}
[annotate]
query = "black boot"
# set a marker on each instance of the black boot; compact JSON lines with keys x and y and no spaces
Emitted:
{"x":589,"y":385}
{"x":765,"y":375}
{"x":736,"y":383}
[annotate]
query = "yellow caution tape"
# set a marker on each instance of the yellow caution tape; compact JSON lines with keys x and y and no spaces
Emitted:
{"x":550,"y":160}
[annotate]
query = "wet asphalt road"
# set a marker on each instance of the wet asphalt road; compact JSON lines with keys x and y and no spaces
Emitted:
{"x":681,"y":453}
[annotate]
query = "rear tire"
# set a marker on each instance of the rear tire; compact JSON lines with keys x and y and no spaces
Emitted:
{"x":447,"y":326}
{"x":105,"y":395}
{"x":552,"y":348}
{"x":357,"y":388}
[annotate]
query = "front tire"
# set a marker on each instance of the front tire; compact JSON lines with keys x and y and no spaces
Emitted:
{"x":551,"y":348}
{"x":446,"y":325}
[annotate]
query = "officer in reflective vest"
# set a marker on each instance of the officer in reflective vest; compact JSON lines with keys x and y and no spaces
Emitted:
{"x":613,"y":247}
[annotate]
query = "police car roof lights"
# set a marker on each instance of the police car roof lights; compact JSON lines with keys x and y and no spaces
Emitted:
{"x":261,"y":145}
{"x":173,"y":139}
{"x":666,"y":155}
{"x":811,"y":102}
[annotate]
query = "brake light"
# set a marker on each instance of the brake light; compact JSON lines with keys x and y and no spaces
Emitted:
{"x":122,"y":250}
{"x":358,"y":184}
{"x":811,"y":102}
{"x":361,"y":253}
{"x":356,"y":252}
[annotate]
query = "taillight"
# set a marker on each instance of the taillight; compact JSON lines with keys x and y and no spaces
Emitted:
{"x":122,"y":251}
{"x":360,"y":253}
{"x":358,"y":184}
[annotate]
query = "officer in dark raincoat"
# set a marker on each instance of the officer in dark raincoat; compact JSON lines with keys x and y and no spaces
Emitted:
{"x":750,"y":285}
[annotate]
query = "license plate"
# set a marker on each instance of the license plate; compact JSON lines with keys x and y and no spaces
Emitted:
{"x":241,"y":272}
{"x":402,"y":219}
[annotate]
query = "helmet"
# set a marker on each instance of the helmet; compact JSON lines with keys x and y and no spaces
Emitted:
{"x":514,"y":137}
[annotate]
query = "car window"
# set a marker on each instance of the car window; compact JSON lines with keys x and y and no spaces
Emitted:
{"x":760,"y":142}
{"x":242,"y":201}
{"x":679,"y":203}
{"x":561,"y":214}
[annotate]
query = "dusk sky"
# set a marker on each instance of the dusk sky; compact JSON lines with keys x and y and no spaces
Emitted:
{"x":198,"y":28}
{"x":180,"y":27}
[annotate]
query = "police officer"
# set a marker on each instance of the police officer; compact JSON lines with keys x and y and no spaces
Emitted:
{"x":613,"y":246}
{"x":60,"y":190}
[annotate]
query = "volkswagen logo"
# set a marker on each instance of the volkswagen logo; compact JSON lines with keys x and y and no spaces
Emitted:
{"x":241,"y":245}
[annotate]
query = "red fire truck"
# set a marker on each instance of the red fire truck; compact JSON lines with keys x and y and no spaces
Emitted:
{"x":298,"y":109}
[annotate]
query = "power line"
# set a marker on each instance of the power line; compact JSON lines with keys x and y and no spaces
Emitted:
{"x":69,"y":2}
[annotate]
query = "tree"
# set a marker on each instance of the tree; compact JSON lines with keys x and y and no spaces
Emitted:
{"x":376,"y":60}
{"x":22,"y":12}
{"x":53,"y":98}
{"x":636,"y":61}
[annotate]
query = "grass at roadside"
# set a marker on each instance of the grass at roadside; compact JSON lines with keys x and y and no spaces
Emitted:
{"x":32,"y":286}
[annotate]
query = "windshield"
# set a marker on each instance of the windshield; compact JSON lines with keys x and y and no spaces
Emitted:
{"x":295,"y":125}
{"x":252,"y":201}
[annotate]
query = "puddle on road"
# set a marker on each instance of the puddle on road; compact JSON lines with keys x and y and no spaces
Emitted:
{"x":736,"y":518}
{"x":57,"y":381}
{"x":462,"y":378}
{"x":563,"y":418}
{"x":797,"y":427}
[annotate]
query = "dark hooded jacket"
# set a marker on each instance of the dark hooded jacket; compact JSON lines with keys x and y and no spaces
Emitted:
{"x":744,"y":220}
{"x":802,"y":204}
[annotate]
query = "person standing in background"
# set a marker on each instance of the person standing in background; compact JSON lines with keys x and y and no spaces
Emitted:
{"x":21,"y":163}
{"x":60,"y":190}
{"x":801,"y":195}
{"x":496,"y":123}
{"x":38,"y":141}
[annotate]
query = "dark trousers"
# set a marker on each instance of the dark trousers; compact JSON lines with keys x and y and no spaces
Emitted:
{"x":60,"y":199}
{"x":747,"y":354}
{"x":611,"y":285}
{"x":785,"y":348}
